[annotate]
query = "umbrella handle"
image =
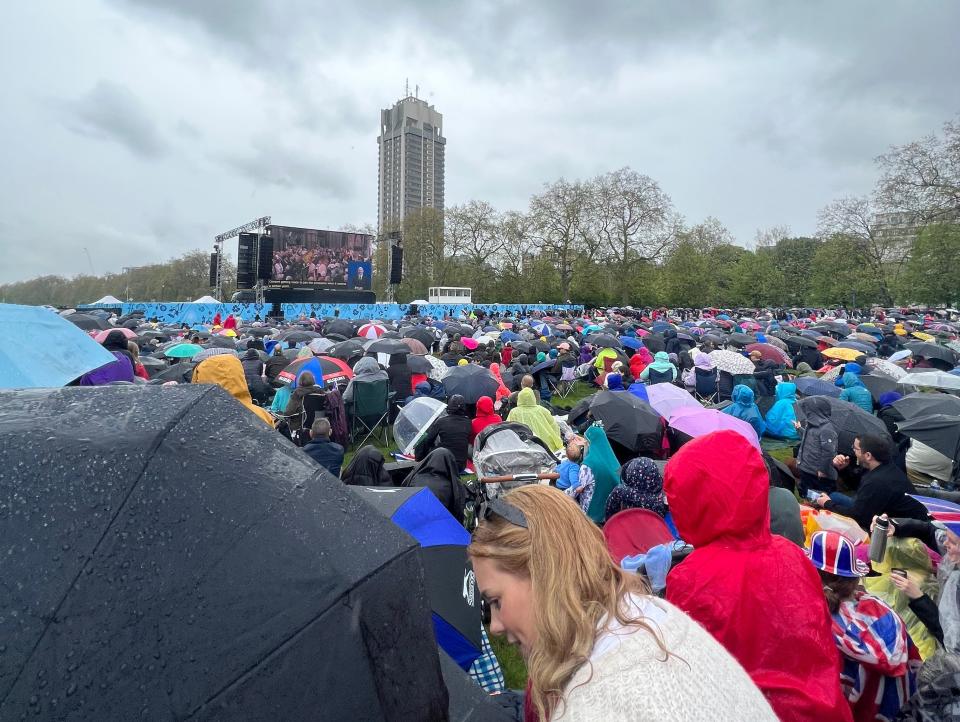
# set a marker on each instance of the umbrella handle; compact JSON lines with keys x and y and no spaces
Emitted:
{"x":518,"y":477}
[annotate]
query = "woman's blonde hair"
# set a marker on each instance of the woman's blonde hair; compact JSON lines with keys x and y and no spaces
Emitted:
{"x":575,"y":584}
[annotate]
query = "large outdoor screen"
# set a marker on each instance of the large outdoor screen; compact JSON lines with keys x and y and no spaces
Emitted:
{"x":311,"y":257}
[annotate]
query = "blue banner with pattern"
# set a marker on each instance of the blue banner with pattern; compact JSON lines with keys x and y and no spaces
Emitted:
{"x":198,"y":314}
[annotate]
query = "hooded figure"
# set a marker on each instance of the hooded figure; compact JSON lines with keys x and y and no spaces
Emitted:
{"x":451,"y":432}
{"x":122,"y":369}
{"x":744,"y":408}
{"x":805,"y":370}
{"x":639,"y":361}
{"x":856,"y":393}
{"x":671,"y":344}
{"x":225,"y":370}
{"x":438,"y":472}
{"x":783,"y":413}
{"x":366,"y":370}
{"x":818,"y":446}
{"x":601,"y":470}
{"x":640,"y":487}
{"x":537,"y":419}
{"x":755,"y":592}
{"x":660,"y":371}
{"x":366,"y":469}
{"x":613,"y":381}
{"x":850,"y":368}
{"x":484,"y":418}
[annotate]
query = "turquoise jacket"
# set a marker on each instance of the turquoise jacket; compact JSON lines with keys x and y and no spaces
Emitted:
{"x":856,"y":393}
{"x":745,"y":409}
{"x":782,"y":414}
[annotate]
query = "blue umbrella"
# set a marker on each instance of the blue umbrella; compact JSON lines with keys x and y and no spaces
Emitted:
{"x":448,"y":574}
{"x":815,"y":387}
{"x":510,"y":336}
{"x":660,"y":326}
{"x":39,"y":349}
{"x":631,"y":342}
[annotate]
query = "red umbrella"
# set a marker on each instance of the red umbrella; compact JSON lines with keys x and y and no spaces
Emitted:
{"x":771,"y":352}
{"x":331,"y":368}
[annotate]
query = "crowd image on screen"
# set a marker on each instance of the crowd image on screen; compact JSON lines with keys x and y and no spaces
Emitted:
{"x":315,"y":264}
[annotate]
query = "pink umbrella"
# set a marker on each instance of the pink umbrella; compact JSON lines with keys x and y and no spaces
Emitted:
{"x":470,"y":343}
{"x":371,"y":330}
{"x":667,"y":398}
{"x":127,"y":334}
{"x":700,"y":422}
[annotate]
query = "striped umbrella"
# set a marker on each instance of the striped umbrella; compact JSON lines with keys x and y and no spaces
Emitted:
{"x":371,"y":330}
{"x":943,"y":511}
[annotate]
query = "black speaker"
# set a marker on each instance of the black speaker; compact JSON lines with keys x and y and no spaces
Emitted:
{"x":396,"y":265}
{"x":213,"y":269}
{"x":247,"y":261}
{"x":265,"y":258}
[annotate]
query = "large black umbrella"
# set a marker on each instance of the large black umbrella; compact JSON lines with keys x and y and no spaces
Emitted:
{"x":297,"y":336}
{"x":603,"y":340}
{"x":655,"y":342}
{"x":627,"y":420}
{"x":849,"y":420}
{"x":419,"y":364}
{"x":471,"y":382}
{"x":800,"y":341}
{"x":741,"y":339}
{"x":340,"y":326}
{"x":153,"y":365}
{"x":919,"y":348}
{"x":347,"y":349}
{"x":938,"y":431}
{"x":181,"y":372}
{"x":864,"y":348}
{"x":150,"y":579}
{"x":423,"y":335}
{"x":388,"y":346}
{"x":451,"y":587}
{"x":88,"y":322}
{"x":924,"y":404}
{"x":878,"y":385}
{"x":221,"y":342}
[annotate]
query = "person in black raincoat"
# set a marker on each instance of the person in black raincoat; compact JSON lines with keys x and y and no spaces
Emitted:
{"x":254,"y":372}
{"x":366,"y":469}
{"x":451,"y":432}
{"x":277,"y":363}
{"x":807,"y":355}
{"x":438,"y":472}
{"x":671,"y":344}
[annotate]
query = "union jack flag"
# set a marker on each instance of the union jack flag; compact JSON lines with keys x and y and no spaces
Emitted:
{"x":880,"y":661}
{"x":945,"y":512}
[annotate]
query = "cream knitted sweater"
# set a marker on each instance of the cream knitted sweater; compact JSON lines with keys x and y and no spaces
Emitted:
{"x":627,"y":679}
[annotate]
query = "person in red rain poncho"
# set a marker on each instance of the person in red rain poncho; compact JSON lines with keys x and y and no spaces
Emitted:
{"x":484,"y":418}
{"x":231,"y":322}
{"x":217,"y":321}
{"x":755,"y":592}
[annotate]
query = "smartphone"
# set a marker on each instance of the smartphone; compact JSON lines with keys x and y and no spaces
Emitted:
{"x":813,"y":494}
{"x":899,"y":572}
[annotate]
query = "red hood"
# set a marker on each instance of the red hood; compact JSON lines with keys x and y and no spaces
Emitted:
{"x":717,"y":486}
{"x":756,"y":593}
{"x":484,"y":406}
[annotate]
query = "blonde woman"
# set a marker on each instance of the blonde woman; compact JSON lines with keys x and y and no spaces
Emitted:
{"x":597,"y":645}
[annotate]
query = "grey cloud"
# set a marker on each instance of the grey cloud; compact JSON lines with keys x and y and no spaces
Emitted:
{"x":110,"y":111}
{"x":271,"y":164}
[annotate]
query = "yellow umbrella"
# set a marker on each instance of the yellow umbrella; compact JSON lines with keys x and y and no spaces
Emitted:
{"x":229,"y":332}
{"x":923,"y":336}
{"x":846,"y":354}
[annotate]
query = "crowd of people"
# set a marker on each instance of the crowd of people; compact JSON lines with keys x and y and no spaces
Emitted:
{"x":757,"y":598}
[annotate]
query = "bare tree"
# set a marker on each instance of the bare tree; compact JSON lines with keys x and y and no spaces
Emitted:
{"x":633,"y":220}
{"x":770,"y":237}
{"x":882,"y":254}
{"x":922,"y":178}
{"x":561,"y":217}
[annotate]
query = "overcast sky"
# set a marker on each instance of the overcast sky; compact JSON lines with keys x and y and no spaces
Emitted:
{"x":138,"y":129}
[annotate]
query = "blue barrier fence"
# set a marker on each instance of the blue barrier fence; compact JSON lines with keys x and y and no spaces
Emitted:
{"x":203,"y":313}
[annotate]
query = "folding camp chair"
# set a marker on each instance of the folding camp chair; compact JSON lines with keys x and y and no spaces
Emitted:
{"x":369,"y":409}
{"x":707,"y":388}
{"x":563,"y":386}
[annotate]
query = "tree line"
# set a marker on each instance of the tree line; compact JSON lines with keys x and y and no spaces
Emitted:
{"x":617,"y":239}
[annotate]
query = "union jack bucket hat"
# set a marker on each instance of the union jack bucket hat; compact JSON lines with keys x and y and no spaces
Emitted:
{"x":832,"y":552}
